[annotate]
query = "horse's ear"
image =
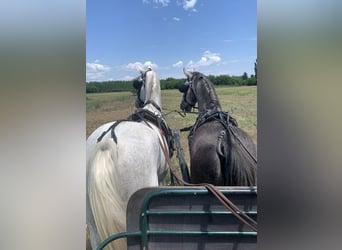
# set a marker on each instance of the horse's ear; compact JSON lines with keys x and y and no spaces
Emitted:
{"x":187,"y":73}
{"x":183,"y":88}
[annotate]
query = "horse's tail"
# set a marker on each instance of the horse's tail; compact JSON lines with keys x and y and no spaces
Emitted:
{"x":243,"y":165}
{"x":105,"y":202}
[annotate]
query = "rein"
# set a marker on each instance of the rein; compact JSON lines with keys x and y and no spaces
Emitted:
{"x":181,"y":113}
{"x":241,"y":215}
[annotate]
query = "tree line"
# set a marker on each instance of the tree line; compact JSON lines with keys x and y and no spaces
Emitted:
{"x":169,"y":83}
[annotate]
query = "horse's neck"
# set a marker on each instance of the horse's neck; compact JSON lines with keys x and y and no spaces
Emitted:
{"x":155,"y":92}
{"x":155,"y":98}
{"x":207,"y":97}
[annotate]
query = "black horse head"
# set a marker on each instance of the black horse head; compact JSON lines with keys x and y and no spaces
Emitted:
{"x":198,"y":88}
{"x":137,"y":84}
{"x":189,"y":98}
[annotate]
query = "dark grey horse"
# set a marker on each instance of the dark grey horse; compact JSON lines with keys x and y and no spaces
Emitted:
{"x":220,"y":152}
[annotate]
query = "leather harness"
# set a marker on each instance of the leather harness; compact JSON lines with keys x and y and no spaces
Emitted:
{"x":145,"y":116}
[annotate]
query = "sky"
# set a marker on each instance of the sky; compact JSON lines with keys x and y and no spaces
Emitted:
{"x":214,"y":37}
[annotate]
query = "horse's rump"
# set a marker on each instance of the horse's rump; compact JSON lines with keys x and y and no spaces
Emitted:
{"x":206,"y":162}
{"x":220,"y":155}
{"x":117,"y":170}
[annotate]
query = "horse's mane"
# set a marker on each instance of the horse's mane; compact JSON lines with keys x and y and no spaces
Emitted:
{"x":209,"y":87}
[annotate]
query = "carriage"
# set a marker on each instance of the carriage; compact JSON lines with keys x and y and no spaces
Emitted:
{"x":188,"y":218}
{"x":199,"y":216}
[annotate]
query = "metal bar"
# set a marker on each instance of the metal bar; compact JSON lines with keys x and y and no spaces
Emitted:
{"x":118,"y":236}
{"x":144,"y":228}
{"x":195,"y":233}
{"x":194,"y":191}
{"x":198,"y":212}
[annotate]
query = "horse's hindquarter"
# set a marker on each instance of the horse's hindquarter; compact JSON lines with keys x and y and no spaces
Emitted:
{"x":205,"y":161}
{"x":133,"y":163}
{"x":140,"y":157}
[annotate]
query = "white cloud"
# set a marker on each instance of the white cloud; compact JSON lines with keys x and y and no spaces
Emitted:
{"x":189,"y":4}
{"x":97,"y":67}
{"x":178,"y":64}
{"x":176,"y":19}
{"x":95,"y":70}
{"x":162,"y":2}
{"x":186,"y":4}
{"x":208,"y":58}
{"x":137,"y":65}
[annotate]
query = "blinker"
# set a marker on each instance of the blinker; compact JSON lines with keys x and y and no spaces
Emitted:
{"x":183,"y":88}
{"x":137,"y":83}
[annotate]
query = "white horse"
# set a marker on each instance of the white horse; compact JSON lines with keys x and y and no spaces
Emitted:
{"x":116,"y":168}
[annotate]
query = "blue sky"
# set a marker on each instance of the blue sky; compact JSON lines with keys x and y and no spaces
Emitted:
{"x":211,"y":36}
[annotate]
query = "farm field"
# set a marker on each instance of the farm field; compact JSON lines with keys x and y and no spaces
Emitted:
{"x":240,"y":102}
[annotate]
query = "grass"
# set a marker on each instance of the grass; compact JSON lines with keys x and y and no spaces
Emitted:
{"x":240,"y":102}
{"x":94,"y":101}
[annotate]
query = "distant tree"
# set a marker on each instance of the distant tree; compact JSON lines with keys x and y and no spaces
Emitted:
{"x":255,"y":70}
{"x":251,"y":81}
{"x":90,"y":88}
{"x":244,"y":76}
{"x":211,"y":78}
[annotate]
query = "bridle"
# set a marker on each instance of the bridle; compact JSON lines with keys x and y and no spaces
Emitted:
{"x":138,"y":84}
{"x":192,"y":93}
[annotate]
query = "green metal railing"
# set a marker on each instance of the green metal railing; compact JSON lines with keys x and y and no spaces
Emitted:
{"x":146,"y":212}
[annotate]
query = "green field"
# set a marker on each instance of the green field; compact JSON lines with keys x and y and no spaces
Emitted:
{"x":240,"y":102}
